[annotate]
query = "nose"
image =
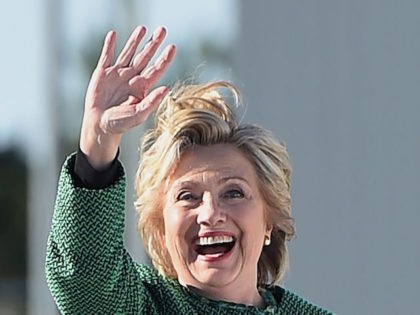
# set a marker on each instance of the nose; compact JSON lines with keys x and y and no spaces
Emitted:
{"x":209,"y":212}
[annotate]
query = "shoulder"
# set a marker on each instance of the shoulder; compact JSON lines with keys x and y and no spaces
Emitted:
{"x":289,"y":302}
{"x":166,"y":295}
{"x":149,"y":274}
{"x":151,"y":279}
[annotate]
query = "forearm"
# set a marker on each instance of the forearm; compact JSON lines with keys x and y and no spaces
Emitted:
{"x":86,"y":176}
{"x":86,"y":257}
{"x":99,"y":148}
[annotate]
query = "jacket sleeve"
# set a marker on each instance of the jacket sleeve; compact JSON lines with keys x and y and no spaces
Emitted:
{"x":88,"y":269}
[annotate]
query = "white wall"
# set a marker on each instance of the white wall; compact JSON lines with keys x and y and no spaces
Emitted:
{"x":339,"y":82}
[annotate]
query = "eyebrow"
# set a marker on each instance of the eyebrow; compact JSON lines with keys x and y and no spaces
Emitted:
{"x":191,"y":183}
{"x":227,"y":178}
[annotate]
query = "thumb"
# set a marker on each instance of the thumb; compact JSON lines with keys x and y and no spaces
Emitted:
{"x":150,"y":103}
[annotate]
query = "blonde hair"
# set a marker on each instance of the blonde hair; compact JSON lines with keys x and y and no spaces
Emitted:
{"x":199,"y":115}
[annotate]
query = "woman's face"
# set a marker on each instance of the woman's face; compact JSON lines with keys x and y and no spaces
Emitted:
{"x":214,"y":221}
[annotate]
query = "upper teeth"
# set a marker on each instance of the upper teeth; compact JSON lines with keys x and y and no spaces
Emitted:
{"x":214,"y":240}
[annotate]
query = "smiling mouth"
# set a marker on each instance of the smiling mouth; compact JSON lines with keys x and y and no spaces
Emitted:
{"x":214,"y":246}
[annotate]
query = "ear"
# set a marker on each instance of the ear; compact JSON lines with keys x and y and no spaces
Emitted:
{"x":268,"y":229}
{"x":267,"y":235}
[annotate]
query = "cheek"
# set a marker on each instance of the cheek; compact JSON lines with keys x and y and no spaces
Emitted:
{"x":252,"y":223}
{"x":171,"y":230}
{"x":176,"y":225}
{"x":171,"y":223}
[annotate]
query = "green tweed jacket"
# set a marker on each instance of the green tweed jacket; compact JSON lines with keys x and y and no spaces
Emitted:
{"x":90,"y":272}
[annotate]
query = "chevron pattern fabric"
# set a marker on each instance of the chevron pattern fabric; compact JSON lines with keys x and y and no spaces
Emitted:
{"x":90,"y":272}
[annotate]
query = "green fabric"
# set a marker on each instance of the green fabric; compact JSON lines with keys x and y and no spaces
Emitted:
{"x":90,"y":272}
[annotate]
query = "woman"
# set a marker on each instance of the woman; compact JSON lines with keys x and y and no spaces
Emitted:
{"x":213,"y":198}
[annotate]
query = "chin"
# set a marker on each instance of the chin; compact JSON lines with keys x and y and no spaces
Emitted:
{"x":216,"y":271}
{"x":214,"y":277}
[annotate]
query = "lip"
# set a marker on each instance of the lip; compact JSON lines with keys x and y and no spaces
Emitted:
{"x":209,"y":258}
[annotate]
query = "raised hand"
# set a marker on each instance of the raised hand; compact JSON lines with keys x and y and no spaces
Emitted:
{"x":119,"y":95}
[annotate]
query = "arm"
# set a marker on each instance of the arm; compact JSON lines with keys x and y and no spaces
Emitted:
{"x":86,"y":259}
{"x":88,"y":269}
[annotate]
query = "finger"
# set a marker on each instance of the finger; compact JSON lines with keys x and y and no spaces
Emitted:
{"x":119,"y":119}
{"x":130,"y":47}
{"x":153,"y":74}
{"x":141,"y":84}
{"x":149,"y":103}
{"x":107,"y":54}
{"x":149,"y":50}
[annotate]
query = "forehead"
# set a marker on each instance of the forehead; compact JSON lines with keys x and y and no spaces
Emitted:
{"x":219,"y":160}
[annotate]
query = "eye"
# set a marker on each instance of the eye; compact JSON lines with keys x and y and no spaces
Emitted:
{"x":186,"y":196}
{"x":234,"y":194}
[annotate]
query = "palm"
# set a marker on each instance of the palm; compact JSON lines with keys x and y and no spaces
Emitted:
{"x":118,"y":95}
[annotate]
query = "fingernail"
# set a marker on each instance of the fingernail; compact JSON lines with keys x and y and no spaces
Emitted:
{"x":141,"y":29}
{"x":159,"y":31}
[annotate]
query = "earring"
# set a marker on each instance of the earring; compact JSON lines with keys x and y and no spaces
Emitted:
{"x":267,"y":240}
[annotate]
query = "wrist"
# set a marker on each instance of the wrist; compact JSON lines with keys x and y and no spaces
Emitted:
{"x":100,"y":148}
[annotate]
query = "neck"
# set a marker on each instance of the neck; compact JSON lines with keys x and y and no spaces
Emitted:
{"x":246,"y":297}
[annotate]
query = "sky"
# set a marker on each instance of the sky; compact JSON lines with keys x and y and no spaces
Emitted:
{"x":24,"y":58}
{"x":20,"y":63}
